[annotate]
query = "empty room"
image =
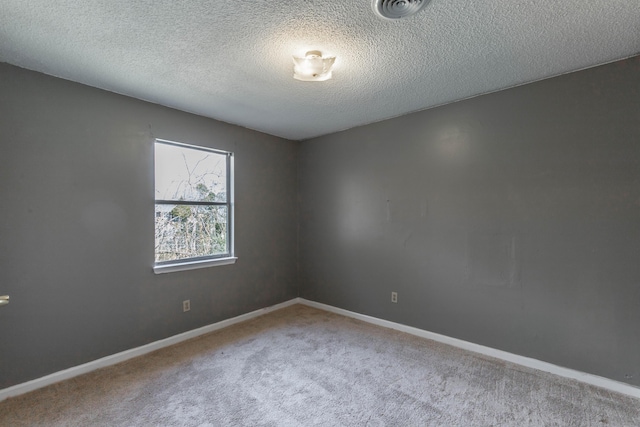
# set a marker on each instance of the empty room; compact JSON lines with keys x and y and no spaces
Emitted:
{"x":357,"y":213}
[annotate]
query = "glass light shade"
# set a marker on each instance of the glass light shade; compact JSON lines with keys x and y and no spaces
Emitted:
{"x":313,"y":67}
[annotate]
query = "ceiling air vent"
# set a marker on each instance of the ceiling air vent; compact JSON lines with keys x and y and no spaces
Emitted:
{"x":398,"y":9}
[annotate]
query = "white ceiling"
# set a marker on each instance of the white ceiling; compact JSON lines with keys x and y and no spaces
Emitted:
{"x":231,"y":60}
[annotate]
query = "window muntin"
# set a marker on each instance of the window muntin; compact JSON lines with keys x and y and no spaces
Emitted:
{"x":193,"y":203}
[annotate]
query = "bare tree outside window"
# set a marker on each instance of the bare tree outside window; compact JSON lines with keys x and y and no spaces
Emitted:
{"x":192,"y":193}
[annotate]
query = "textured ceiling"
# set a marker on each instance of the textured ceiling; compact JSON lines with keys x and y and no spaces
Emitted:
{"x":232,"y":60}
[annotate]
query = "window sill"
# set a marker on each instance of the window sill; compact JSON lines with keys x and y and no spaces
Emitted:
{"x":182,"y":266}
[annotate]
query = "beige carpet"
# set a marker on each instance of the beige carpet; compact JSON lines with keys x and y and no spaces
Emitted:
{"x":303,"y":367}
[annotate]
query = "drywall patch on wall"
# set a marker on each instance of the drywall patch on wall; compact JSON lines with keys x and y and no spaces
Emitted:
{"x":406,"y":210}
{"x":493,"y":259}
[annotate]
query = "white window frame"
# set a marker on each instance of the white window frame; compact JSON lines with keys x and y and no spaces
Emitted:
{"x":206,"y":261}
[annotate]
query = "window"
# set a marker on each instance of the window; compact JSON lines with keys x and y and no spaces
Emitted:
{"x":193,"y":207}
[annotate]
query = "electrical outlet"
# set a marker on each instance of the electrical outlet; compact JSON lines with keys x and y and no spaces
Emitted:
{"x":394,"y":297}
{"x":186,"y":305}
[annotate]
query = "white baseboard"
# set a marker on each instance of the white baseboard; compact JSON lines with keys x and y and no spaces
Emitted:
{"x":66,"y":374}
{"x":487,"y":351}
{"x":477,"y":348}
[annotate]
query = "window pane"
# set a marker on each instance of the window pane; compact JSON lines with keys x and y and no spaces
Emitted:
{"x":184,"y":231}
{"x":190,"y":174}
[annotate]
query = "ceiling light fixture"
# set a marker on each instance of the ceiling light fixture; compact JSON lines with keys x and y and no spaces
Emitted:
{"x":397,"y":9}
{"x":313,"y":67}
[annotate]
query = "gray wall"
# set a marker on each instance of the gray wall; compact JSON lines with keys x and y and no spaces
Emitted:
{"x":510,"y":220}
{"x":76,"y":228}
